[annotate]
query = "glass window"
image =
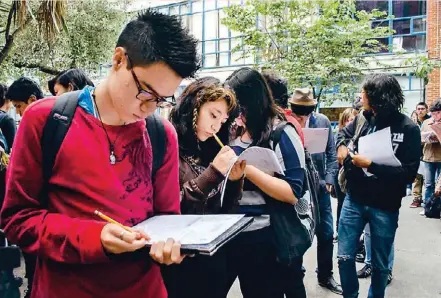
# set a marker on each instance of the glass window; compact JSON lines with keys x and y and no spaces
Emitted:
{"x":385,"y":43}
{"x":401,"y":27}
{"x":210,"y":46}
{"x":223,"y":59}
{"x":196,"y":6}
{"x":410,"y":43}
{"x":163,"y":10}
{"x":185,"y":20}
{"x":210,"y":4}
{"x":222,"y":3}
{"x":236,"y":58}
{"x":419,"y":25}
{"x":416,"y":83}
{"x":224,"y":45}
{"x":210,"y":61}
{"x":408,"y":8}
{"x":223,"y":30}
{"x":196,"y":25}
{"x":174,"y":10}
{"x":370,"y":5}
{"x":184,"y":9}
{"x":236,"y":2}
{"x":211,"y":24}
{"x":235,"y":42}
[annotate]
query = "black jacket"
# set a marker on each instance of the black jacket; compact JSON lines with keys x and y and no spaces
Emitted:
{"x":385,"y":189}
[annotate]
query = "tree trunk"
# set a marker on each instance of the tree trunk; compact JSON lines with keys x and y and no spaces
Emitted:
{"x":42,"y":68}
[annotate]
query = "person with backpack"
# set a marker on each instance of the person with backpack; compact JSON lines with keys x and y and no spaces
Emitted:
{"x":303,"y":105}
{"x":23,"y":92}
{"x":204,"y":108}
{"x":69,"y":80}
{"x":7,"y":123}
{"x":375,"y":199}
{"x":106,"y":162}
{"x":255,"y":256}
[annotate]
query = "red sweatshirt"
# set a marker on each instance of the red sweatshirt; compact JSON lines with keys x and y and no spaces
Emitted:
{"x":65,"y":234}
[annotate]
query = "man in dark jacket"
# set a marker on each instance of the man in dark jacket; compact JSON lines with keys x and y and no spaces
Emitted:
{"x":375,"y":199}
{"x":303,"y":105}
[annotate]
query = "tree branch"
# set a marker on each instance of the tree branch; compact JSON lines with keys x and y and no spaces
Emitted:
{"x":40,"y":67}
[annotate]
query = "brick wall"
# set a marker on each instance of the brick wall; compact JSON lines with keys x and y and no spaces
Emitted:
{"x":433,"y":47}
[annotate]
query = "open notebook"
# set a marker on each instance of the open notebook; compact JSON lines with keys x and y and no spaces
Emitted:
{"x":200,"y":234}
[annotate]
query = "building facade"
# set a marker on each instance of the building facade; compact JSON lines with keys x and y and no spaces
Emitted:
{"x":416,"y":25}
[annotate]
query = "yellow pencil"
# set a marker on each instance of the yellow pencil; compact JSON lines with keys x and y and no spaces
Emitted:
{"x":218,"y":140}
{"x":110,"y":220}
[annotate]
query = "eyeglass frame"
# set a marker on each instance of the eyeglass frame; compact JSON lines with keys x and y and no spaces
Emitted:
{"x":156,"y":97}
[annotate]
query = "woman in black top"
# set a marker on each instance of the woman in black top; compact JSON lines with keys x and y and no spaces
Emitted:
{"x":7,"y":123}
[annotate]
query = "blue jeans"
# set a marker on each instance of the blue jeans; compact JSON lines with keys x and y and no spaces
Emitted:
{"x":367,"y":246}
{"x":432,"y":171}
{"x":353,"y":219}
{"x":325,"y":234}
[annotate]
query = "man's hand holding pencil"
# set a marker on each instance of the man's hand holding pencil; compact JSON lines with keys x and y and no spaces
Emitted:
{"x":117,"y":238}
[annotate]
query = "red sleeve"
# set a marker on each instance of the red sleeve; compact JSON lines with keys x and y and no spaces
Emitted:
{"x":166,"y":181}
{"x":25,"y":220}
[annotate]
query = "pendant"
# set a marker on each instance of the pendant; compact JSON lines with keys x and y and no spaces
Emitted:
{"x":112,"y":158}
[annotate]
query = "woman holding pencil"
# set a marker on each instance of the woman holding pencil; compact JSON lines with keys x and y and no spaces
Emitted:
{"x":252,"y":255}
{"x":202,"y":120}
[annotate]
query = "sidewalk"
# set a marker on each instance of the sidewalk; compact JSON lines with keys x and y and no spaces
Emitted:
{"x":417,"y":272}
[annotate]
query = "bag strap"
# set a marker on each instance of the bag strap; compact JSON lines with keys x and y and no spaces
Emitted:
{"x":158,"y":139}
{"x":56,"y":128}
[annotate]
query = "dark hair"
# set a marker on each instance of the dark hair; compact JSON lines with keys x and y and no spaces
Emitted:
{"x":75,"y":77}
{"x":436,"y":105}
{"x":278,"y":87}
{"x":256,"y":104}
{"x":422,"y":103}
{"x":22,"y":89}
{"x":184,"y":117}
{"x":154,"y":37}
{"x":3,"y":90}
{"x":384,"y":93}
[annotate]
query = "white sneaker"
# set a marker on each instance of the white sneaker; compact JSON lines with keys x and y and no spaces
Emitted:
{"x":422,"y":213}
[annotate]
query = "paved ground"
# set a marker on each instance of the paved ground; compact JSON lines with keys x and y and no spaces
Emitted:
{"x":417,"y":261}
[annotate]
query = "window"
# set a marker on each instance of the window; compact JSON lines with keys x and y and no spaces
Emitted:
{"x":408,"y":8}
{"x":409,"y":23}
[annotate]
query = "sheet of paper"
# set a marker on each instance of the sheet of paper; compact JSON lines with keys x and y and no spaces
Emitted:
{"x":429,"y":137}
{"x":262,"y":158}
{"x":188,"y":229}
{"x":421,"y":168}
{"x":377,"y":147}
{"x":316,"y":139}
{"x":436,"y":128}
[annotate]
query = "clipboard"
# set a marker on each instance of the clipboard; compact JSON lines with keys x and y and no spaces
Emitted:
{"x":198,"y":234}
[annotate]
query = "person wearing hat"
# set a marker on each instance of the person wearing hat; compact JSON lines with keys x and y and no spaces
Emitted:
{"x":303,"y":106}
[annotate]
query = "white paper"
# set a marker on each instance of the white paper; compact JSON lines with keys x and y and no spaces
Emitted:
{"x":188,"y":229}
{"x":377,"y":147}
{"x":262,"y":158}
{"x":316,"y":139}
{"x":421,"y":168}
{"x":429,"y":137}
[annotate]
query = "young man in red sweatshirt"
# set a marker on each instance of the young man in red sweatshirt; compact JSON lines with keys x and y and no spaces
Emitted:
{"x":104,"y":164}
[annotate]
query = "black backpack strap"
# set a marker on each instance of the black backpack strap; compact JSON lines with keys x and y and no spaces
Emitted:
{"x":276,"y":134}
{"x":158,"y":139}
{"x":56,"y":128}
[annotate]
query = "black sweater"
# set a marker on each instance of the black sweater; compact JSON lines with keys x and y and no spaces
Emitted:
{"x":385,"y":189}
{"x":8,"y":128}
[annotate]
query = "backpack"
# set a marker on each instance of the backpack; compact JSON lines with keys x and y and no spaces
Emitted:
{"x":342,"y":182}
{"x":60,"y":119}
{"x":3,"y":142}
{"x":432,"y":208}
{"x":294,"y":226}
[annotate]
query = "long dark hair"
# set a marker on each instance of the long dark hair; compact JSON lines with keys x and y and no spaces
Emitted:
{"x":184,"y":118}
{"x":75,"y":77}
{"x":384,"y":94}
{"x":256,"y":104}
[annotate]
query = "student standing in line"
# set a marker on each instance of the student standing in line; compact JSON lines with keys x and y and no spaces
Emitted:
{"x":104,"y":163}
{"x":69,"y":80}
{"x":252,"y":255}
{"x":204,"y":108}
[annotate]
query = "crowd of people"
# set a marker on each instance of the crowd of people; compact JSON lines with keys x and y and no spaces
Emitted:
{"x":106,"y":162}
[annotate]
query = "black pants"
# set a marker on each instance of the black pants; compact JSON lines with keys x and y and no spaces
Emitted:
{"x":289,"y":280}
{"x":252,"y":259}
{"x":197,"y":277}
{"x":30,"y":264}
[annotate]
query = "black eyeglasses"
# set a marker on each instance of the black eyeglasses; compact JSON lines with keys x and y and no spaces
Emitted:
{"x":152,"y":95}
